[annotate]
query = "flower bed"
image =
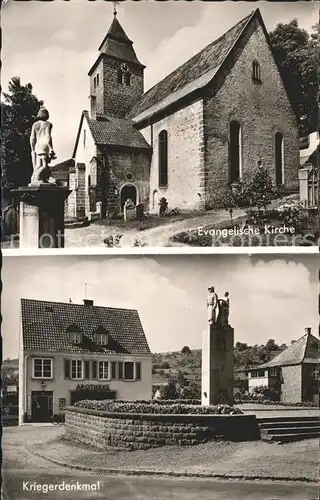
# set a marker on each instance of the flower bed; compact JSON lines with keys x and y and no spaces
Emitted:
{"x":142,"y":425}
{"x":269,"y":402}
{"x":168,"y":407}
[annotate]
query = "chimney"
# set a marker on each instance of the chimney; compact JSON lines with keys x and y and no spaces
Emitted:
{"x":308,"y":330}
{"x":87,"y":302}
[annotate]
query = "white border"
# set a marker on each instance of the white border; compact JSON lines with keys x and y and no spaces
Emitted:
{"x":280,"y":250}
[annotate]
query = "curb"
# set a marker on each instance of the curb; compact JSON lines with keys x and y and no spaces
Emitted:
{"x":163,"y":473}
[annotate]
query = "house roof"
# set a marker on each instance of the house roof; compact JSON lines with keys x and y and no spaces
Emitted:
{"x":305,"y":350}
{"x":111,"y":131}
{"x":194,"y":74}
{"x":118,"y":45}
{"x":45,"y":328}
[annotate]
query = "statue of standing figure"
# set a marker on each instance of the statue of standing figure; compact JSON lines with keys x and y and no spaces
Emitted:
{"x":212,"y":305}
{"x":42,"y":148}
{"x":218,"y":309}
{"x":224,"y":308}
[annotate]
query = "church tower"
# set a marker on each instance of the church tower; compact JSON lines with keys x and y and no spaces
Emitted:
{"x":116,"y":78}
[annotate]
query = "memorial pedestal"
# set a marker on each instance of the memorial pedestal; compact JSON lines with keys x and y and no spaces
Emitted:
{"x":41,"y":212}
{"x":217,"y":365}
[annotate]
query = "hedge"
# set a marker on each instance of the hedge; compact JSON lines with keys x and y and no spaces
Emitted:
{"x":153,"y":407}
{"x":274,"y":403}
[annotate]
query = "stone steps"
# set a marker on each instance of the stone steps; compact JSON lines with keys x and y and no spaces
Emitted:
{"x":287,"y":429}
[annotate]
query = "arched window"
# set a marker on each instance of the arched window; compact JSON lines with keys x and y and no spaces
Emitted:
{"x":235,"y":152}
{"x":97,"y":79}
{"x":163,"y":158}
{"x":279,"y":158}
{"x":256,"y":75}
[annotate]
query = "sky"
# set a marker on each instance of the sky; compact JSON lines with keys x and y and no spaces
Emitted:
{"x":270,"y":297}
{"x":54,"y":44}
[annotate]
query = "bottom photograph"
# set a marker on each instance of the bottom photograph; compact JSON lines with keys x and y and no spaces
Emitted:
{"x":166,"y":376}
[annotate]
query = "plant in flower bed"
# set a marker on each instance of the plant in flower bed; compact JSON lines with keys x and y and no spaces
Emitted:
{"x":150,"y":407}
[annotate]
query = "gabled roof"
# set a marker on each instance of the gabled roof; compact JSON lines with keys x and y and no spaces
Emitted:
{"x":45,"y":328}
{"x":198,"y":72}
{"x":304,"y":350}
{"x":117,"y":44}
{"x":111,"y":131}
{"x":192,"y":75}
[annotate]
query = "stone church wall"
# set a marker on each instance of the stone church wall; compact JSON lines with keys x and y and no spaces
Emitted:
{"x":185,"y":188}
{"x":127,"y":168}
{"x":261,"y":109}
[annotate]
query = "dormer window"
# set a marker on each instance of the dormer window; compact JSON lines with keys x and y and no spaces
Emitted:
{"x":75,"y":335}
{"x":256,"y":75}
{"x":101,"y":336}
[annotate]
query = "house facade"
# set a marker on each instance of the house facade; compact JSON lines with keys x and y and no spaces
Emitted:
{"x":193,"y":135}
{"x":70,"y":352}
{"x":295,"y":372}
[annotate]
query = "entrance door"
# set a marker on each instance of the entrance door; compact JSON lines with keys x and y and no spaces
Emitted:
{"x":128,"y":191}
{"x":41,"y":406}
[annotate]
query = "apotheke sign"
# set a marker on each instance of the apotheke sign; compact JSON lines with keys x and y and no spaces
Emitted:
{"x":93,"y":387}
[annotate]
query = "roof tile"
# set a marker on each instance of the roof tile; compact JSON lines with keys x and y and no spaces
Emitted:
{"x":45,"y":325}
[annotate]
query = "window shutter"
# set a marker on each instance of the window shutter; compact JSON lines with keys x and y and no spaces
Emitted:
{"x":138,"y":370}
{"x":94,"y":369}
{"x":67,"y":368}
{"x":87,"y":369}
{"x":120,"y":370}
{"x":113,"y":370}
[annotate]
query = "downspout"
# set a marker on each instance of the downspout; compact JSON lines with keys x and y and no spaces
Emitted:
{"x":25,"y":384}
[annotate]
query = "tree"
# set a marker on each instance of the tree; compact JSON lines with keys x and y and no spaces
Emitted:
{"x":186,"y":350}
{"x":297,"y":56}
{"x":18,"y":113}
{"x":171,"y":390}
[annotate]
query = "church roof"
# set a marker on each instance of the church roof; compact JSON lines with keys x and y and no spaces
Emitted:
{"x":111,"y":131}
{"x":45,"y":327}
{"x":304,"y":350}
{"x":118,"y":45}
{"x":193,"y":75}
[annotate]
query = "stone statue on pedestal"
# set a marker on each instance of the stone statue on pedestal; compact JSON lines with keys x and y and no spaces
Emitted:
{"x":218,"y":309}
{"x":224,"y":307}
{"x":41,"y":148}
{"x":212,"y":305}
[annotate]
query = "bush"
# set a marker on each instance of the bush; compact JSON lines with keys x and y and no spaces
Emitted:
{"x":153,"y":407}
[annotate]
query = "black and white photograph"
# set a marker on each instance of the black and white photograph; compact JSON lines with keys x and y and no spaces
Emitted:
{"x":161,"y":377}
{"x":159,"y":124}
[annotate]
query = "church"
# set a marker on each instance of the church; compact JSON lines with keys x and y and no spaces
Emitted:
{"x":189,"y":138}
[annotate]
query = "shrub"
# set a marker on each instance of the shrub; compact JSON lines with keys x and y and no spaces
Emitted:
{"x":153,"y":407}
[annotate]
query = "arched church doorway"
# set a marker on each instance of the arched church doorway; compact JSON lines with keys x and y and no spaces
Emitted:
{"x":128,"y":191}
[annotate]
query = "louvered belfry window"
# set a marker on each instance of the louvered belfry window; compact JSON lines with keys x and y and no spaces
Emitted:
{"x":163,"y":158}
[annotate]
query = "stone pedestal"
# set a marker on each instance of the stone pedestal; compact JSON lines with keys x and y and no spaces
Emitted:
{"x":41,"y":213}
{"x":129,"y":213}
{"x":217,"y":365}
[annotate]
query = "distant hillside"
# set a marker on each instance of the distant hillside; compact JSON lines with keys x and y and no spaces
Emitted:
{"x":167,"y":365}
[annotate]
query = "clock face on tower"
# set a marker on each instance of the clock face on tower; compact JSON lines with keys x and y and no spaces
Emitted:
{"x":124,"y":67}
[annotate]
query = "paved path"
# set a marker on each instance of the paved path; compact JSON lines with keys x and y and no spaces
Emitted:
{"x":159,"y":236}
{"x":23,"y":473}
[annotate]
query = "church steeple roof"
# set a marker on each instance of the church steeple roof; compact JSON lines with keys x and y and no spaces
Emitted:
{"x":117,"y":44}
{"x":116,"y":32}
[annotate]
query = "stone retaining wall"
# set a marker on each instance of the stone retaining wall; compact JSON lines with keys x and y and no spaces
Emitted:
{"x":128,"y":431}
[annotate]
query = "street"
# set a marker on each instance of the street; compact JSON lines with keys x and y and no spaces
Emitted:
{"x":28,"y":477}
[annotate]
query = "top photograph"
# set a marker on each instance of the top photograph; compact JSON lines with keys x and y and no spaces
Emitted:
{"x":159,"y":124}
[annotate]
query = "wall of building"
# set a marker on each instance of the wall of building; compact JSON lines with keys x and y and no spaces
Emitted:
{"x":131,"y":167}
{"x":86,"y":150}
{"x":185,"y":188}
{"x":291,"y":388}
{"x":62,"y":387}
{"x":258,"y":381}
{"x":261,"y":109}
{"x":113,"y":98}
